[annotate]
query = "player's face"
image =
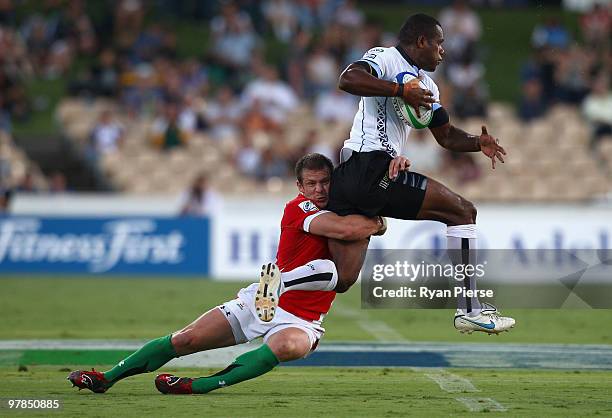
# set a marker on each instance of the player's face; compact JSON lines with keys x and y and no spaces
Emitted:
{"x":315,"y":186}
{"x":433,"y":52}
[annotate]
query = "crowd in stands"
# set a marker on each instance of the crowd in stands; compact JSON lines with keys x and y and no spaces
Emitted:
{"x":232,"y":89}
{"x":564,"y":70}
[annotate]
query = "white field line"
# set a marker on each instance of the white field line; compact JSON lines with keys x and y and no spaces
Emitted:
{"x":482,"y":404}
{"x":451,"y":383}
{"x":378,"y":329}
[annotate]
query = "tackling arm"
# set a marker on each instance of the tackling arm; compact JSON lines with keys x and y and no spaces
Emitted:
{"x":346,"y":228}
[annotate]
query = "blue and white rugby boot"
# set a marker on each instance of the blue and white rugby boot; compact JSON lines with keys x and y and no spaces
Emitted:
{"x":488,"y":320}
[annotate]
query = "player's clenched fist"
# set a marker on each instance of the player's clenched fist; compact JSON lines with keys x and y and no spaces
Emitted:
{"x":415,"y":96}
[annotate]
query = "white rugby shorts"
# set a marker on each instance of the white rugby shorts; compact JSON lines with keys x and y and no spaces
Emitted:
{"x":246,"y":326}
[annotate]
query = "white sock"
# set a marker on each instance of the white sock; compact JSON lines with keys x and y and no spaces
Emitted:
{"x":461,"y":243}
{"x":314,"y":275}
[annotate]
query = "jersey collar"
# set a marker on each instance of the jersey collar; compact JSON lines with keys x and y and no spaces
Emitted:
{"x":404,"y":55}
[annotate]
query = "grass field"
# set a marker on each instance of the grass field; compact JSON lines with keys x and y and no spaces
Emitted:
{"x":323,"y":392}
{"x":120,"y":308}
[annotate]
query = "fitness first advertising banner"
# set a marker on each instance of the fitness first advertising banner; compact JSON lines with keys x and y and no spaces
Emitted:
{"x":121,"y":245}
{"x":429,"y":279}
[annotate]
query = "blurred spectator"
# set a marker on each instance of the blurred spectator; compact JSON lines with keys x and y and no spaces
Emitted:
{"x":281,"y":16}
{"x":335,"y":106}
{"x":349,"y":15}
{"x":57,"y":183}
{"x":168,"y":131}
{"x":597,"y":108}
{"x":223,"y":114}
{"x":271,"y":165}
{"x":466,"y":80}
{"x":5,"y":171}
{"x":200,"y":199}
{"x":297,"y":60}
{"x":194,"y":78}
{"x":5,"y":200}
{"x":247,"y":156}
{"x":541,"y":66}
{"x":470,"y":103}
{"x":129,"y":17}
{"x":313,"y":143}
{"x":233,"y":42}
{"x":274,"y":96}
{"x":368,"y":36}
{"x":256,"y":120}
{"x":572,"y":74}
{"x":101,"y":79}
{"x":596,"y":26}
{"x":7,"y":13}
{"x":148,"y":44}
{"x":105,"y":73}
{"x":107,"y":135}
{"x":462,"y":166}
{"x":76,"y":28}
{"x":462,"y":29}
{"x":532,"y":104}
{"x":423,"y":151}
{"x":551,"y":34}
{"x":27,"y":184}
{"x":321,"y":71}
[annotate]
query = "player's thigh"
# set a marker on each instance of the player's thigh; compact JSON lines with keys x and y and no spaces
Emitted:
{"x":290,"y":343}
{"x":348,"y":256}
{"x":405,"y":196}
{"x":443,"y":205}
{"x":210,"y":330}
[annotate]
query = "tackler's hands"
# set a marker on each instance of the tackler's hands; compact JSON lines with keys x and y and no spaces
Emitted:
{"x":415,"y":96}
{"x":490,"y":147}
{"x":397,"y":165}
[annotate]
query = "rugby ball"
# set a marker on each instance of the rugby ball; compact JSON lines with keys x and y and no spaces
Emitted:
{"x":405,"y":112}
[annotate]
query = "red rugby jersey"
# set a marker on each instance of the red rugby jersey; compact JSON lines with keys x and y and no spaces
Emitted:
{"x":296,"y":248}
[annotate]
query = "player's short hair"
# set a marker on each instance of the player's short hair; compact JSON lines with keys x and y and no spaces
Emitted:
{"x":417,"y":25}
{"x":312,"y":161}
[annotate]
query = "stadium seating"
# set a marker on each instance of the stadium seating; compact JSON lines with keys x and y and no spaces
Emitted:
{"x":545,"y":157}
{"x":20,"y":164}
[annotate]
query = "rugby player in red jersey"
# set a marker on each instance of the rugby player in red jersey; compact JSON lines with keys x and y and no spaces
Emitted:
{"x":291,"y":330}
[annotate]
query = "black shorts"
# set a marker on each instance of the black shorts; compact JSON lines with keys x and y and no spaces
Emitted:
{"x":361,"y":185}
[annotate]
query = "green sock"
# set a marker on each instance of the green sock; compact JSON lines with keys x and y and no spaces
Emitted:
{"x":245,"y":367}
{"x":149,"y":357}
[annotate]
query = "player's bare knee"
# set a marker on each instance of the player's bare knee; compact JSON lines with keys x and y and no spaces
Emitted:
{"x":184,"y":341}
{"x":465,"y":213}
{"x":288,"y":349}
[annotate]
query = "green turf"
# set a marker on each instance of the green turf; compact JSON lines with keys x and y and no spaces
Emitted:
{"x":324,"y":392}
{"x":120,"y":308}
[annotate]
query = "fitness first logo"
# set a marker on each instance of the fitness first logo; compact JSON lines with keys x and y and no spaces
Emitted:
{"x":308,"y":206}
{"x":121,"y":241}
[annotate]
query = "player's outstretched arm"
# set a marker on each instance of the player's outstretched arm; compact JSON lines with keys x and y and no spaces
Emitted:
{"x":455,"y":139}
{"x":346,"y":228}
{"x":360,"y":79}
